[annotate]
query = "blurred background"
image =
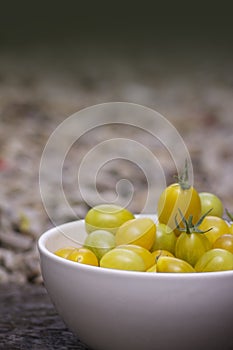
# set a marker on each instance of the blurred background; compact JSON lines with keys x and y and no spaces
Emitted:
{"x":59,"y":57}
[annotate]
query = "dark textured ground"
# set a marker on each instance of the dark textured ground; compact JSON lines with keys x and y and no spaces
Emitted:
{"x":29,"y":321}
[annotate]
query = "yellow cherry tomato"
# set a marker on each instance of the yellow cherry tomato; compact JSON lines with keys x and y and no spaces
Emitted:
{"x":64,"y":252}
{"x":224,"y":242}
{"x":173,"y":198}
{"x":83,"y":256}
{"x":152,"y":268}
{"x":143,"y":252}
{"x":215,"y":260}
{"x":156,"y":254}
{"x":139,"y":231}
{"x":123,"y":259}
{"x":217,"y":225}
{"x":169,"y":264}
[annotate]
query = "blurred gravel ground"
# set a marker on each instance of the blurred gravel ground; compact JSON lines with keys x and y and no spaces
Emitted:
{"x":195,"y":93}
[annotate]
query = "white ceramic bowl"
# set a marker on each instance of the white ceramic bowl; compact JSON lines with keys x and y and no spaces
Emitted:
{"x":119,"y":310}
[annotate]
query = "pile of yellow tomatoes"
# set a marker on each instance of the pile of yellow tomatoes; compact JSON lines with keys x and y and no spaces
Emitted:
{"x":189,"y":235}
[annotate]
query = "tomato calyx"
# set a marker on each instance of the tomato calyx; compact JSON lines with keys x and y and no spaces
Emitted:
{"x":190,"y":227}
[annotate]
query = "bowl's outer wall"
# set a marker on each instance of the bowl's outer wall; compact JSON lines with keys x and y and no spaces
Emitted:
{"x":117,"y":310}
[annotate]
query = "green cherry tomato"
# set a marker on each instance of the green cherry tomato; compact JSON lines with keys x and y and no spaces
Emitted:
{"x":224,"y":242}
{"x":170,"y":264}
{"x":215,"y":260}
{"x":211,"y":201}
{"x":191,"y":246}
{"x":107,"y":217}
{"x":123,"y":259}
{"x":217,"y":225}
{"x":100,"y":242}
{"x":140,"y":231}
{"x":165,"y":238}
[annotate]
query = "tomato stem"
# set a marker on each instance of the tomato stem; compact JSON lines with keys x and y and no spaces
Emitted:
{"x":190,"y":227}
{"x":183,"y":178}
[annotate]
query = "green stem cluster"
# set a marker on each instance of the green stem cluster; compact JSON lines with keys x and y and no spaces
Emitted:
{"x":190,"y":227}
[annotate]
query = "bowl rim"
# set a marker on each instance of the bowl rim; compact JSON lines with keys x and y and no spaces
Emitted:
{"x":43,"y":251}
